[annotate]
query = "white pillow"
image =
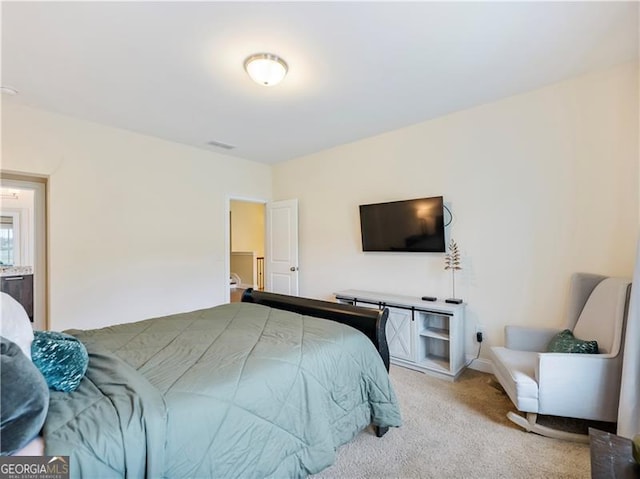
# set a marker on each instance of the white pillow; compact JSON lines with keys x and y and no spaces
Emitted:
{"x":15,"y":324}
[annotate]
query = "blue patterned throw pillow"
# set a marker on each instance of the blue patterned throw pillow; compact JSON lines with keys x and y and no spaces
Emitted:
{"x":61,"y":358}
{"x":566,"y":342}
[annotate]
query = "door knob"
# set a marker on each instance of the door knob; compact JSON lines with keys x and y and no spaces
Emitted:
{"x":293,"y":268}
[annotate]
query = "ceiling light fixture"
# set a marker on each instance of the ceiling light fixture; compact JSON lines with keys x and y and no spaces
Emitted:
{"x":266,"y":69}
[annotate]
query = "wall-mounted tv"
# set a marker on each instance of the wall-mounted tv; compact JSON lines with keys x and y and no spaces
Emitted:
{"x":415,"y":226}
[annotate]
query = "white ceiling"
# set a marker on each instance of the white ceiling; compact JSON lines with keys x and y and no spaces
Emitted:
{"x":175,"y":69}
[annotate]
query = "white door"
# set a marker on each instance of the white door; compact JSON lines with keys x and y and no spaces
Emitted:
{"x":281,"y":262}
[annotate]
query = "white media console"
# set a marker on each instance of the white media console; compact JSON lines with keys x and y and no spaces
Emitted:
{"x":424,"y":335}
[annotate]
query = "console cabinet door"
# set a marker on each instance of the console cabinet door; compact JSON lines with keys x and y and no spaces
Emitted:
{"x":400,"y":334}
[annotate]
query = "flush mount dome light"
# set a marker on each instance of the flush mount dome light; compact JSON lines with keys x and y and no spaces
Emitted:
{"x":266,"y":69}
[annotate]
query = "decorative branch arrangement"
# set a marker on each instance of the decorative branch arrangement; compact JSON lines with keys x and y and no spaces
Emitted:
{"x":452,"y":262}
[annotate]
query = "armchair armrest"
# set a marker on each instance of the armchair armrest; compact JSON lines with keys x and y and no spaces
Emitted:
{"x":524,"y":338}
{"x":583,"y":386}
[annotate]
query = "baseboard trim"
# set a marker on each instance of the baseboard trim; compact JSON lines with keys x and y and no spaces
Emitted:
{"x":483,"y":365}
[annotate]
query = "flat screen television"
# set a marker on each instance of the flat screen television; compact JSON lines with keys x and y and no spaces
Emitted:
{"x":415,"y":226}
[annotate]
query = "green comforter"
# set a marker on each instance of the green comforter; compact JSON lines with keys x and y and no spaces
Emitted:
{"x":239,"y":390}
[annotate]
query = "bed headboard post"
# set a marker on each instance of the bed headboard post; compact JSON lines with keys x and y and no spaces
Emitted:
{"x":371,"y":322}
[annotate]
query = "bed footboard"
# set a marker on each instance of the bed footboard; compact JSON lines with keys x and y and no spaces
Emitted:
{"x":371,"y":322}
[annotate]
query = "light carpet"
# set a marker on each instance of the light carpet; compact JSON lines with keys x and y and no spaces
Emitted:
{"x":456,"y":430}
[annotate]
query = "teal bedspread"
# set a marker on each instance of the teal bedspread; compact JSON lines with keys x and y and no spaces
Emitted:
{"x":238,"y":390}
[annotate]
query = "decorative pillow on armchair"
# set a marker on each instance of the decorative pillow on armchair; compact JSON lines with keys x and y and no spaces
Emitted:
{"x":61,"y":358}
{"x":566,"y":342}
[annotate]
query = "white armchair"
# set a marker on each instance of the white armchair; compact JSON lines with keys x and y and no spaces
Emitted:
{"x":583,"y":386}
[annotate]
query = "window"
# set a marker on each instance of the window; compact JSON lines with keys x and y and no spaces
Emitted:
{"x":9,"y":239}
{"x":6,"y":241}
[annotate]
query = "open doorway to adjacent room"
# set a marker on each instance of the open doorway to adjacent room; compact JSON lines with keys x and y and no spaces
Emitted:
{"x":246,"y":246}
{"x":23,"y":273}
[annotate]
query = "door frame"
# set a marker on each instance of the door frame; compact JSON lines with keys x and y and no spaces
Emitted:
{"x":40,"y":186}
{"x":227,"y":237}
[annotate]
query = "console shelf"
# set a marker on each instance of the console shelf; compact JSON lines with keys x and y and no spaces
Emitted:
{"x":422,"y":335}
{"x":438,"y":333}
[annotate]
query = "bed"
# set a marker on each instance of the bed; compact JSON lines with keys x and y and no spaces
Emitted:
{"x":268,"y":387}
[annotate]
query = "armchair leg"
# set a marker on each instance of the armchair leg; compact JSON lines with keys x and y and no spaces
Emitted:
{"x":530,"y":425}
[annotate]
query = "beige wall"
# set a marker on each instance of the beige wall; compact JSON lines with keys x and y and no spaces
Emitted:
{"x":137,"y":225}
{"x":541,"y":185}
{"x":247,"y":226}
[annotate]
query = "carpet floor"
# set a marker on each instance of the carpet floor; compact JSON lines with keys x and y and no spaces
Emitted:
{"x":456,"y":430}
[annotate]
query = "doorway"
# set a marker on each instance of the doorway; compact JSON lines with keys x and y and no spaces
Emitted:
{"x":246,"y":246}
{"x":23,"y":265}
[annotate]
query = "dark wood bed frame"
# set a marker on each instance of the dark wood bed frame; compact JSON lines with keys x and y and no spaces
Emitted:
{"x":371,"y":322}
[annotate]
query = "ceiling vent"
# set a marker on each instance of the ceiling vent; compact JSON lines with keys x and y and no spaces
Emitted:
{"x":219,"y":144}
{"x":7,"y":90}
